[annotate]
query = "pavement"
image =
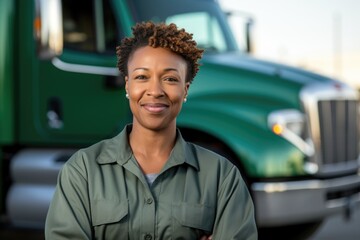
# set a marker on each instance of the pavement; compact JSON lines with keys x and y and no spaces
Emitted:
{"x":339,"y":228}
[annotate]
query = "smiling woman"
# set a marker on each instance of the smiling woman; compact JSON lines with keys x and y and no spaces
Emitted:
{"x":156,"y":87}
{"x":148,"y":182}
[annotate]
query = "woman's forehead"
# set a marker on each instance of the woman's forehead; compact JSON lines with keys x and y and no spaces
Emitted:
{"x":149,"y":57}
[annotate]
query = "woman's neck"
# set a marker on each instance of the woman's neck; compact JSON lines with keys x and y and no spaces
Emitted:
{"x":152,"y":148}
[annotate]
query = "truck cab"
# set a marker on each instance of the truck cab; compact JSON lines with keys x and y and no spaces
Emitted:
{"x":293,"y":134}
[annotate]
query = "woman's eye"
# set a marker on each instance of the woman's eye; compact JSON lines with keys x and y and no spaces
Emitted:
{"x":140,"y":77}
{"x":171,"y":79}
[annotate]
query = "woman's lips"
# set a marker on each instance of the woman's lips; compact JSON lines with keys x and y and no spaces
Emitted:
{"x":155,"y":107}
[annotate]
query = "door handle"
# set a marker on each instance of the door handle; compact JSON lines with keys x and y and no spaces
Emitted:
{"x":54,"y":113}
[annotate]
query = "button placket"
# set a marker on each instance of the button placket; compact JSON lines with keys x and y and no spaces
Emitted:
{"x":148,"y":213}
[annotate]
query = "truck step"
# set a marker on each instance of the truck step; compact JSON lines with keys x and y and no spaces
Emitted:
{"x":34,"y":173}
{"x":38,"y":166}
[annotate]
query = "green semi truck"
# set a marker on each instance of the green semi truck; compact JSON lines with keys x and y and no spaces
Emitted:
{"x":293,"y":134}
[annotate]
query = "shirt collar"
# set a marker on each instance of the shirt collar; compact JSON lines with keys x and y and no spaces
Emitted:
{"x":117,"y":149}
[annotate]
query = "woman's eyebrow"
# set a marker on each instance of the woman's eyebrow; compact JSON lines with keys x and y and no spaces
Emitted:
{"x":141,"y":68}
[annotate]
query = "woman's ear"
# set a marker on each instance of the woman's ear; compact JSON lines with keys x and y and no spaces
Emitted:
{"x":126,"y":83}
{"x":187,"y":86}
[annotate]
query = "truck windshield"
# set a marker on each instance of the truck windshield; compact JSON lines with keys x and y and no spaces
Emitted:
{"x":203,"y":18}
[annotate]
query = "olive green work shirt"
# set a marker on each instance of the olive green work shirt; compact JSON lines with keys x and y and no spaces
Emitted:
{"x":103,"y":194}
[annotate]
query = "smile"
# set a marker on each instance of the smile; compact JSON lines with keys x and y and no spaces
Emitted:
{"x":155,"y":107}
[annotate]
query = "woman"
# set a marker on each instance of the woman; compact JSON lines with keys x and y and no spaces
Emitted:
{"x":148,"y":182}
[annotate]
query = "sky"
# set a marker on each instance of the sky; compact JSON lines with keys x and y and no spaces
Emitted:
{"x":318,"y":35}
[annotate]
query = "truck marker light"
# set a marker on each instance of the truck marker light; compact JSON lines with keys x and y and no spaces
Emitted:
{"x":37,"y":26}
{"x":277,"y":129}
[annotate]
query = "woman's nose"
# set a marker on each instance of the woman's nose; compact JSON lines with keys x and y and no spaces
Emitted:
{"x":155,"y":88}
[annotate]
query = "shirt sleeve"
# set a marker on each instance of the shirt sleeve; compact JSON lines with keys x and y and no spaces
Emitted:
{"x":235,"y":217}
{"x":69,"y":212}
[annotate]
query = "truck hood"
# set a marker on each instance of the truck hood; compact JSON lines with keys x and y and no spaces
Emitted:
{"x":246,"y":63}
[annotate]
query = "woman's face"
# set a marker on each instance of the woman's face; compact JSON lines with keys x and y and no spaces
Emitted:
{"x":156,"y":87}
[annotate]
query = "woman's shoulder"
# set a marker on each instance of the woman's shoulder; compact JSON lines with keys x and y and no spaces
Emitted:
{"x":104,"y":151}
{"x":208,"y":159}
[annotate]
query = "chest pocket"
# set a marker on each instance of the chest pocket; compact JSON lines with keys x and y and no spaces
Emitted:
{"x":110,"y":219}
{"x":192,"y":221}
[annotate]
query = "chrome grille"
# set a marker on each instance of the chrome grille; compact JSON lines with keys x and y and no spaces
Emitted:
{"x":332,"y":110}
{"x":338,"y":120}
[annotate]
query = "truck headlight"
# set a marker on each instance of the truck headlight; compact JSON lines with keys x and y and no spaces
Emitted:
{"x":290,"y":124}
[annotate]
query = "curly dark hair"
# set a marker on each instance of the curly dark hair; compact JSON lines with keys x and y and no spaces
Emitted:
{"x":160,"y":35}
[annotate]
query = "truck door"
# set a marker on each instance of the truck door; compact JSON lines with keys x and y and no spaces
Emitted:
{"x":81,"y":96}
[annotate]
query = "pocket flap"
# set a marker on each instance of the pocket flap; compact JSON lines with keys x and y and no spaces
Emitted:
{"x":194,"y":215}
{"x":108,"y":211}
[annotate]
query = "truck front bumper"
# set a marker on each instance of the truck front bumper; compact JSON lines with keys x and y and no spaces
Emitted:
{"x":296,"y":202}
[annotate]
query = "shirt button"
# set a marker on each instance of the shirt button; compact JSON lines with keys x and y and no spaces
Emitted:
{"x":149,"y":201}
{"x":147,"y":236}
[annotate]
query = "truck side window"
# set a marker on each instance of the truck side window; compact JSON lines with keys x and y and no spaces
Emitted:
{"x":205,"y":28}
{"x":111,"y":30}
{"x":89,"y":26}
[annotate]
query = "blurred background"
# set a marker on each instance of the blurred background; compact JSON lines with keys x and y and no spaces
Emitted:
{"x":318,"y":35}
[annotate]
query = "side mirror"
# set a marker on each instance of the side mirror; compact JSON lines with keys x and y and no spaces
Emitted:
{"x":48,"y":29}
{"x":248,"y":33}
{"x":242,"y":26}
